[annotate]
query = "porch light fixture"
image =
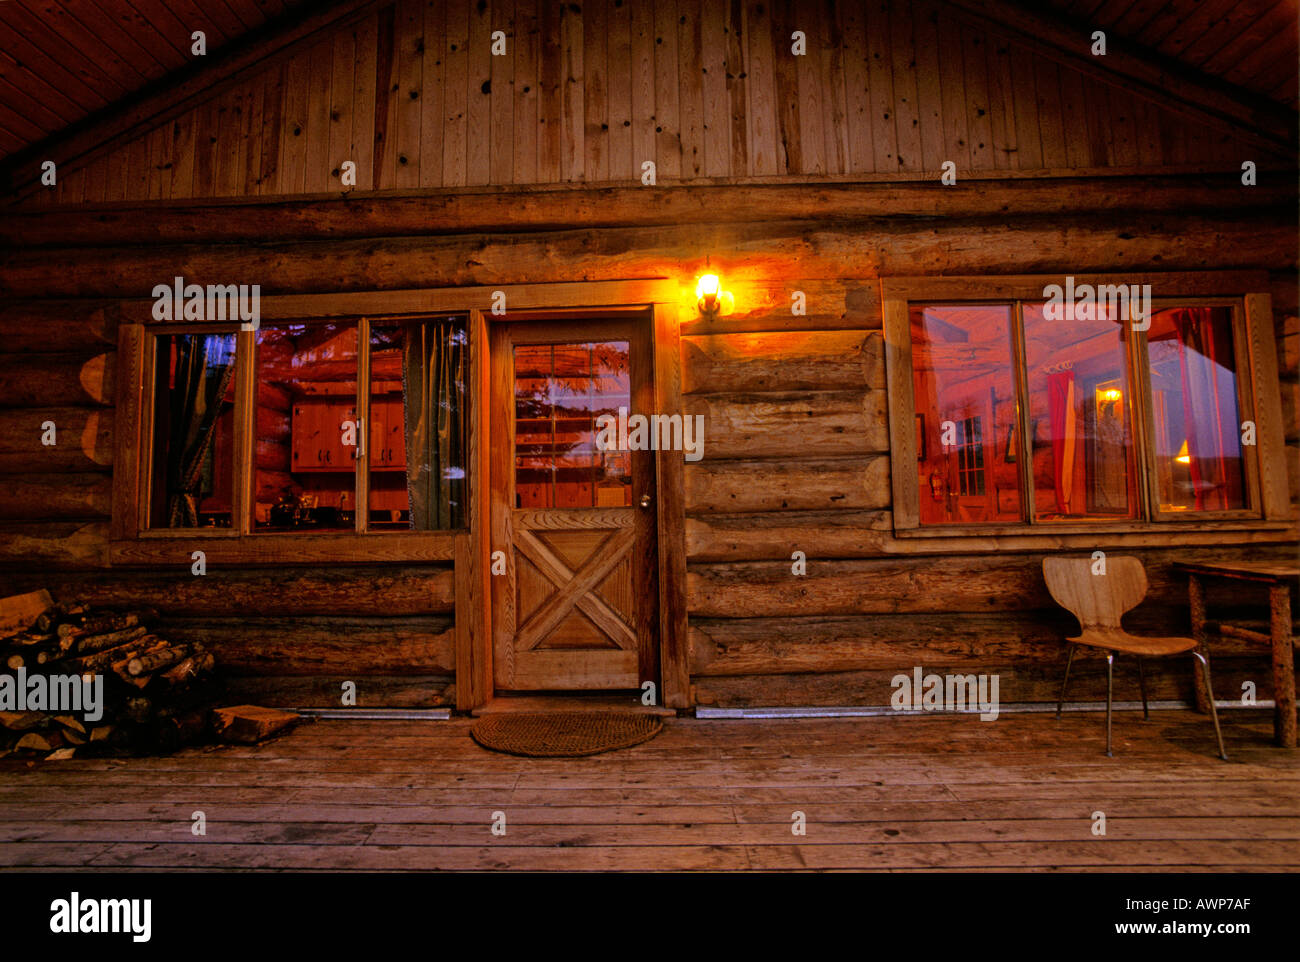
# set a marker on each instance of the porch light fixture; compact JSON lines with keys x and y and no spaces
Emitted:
{"x":711,"y":298}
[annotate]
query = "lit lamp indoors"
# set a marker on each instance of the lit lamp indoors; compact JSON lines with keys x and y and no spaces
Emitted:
{"x":711,"y":298}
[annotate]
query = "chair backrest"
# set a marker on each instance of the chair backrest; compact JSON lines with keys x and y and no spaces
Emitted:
{"x":1097,"y":600}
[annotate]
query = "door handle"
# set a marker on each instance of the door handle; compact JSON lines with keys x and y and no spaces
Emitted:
{"x":645,"y":501}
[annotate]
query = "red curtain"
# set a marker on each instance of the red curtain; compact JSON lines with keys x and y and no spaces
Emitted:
{"x":1060,"y":403}
{"x":1209,"y":407}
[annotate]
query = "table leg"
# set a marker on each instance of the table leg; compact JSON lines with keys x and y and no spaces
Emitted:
{"x":1284,"y":719}
{"x":1196,"y":600}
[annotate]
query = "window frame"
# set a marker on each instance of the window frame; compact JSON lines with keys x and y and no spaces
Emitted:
{"x":1258,"y":386}
{"x":242,"y":542}
{"x":132,"y":543}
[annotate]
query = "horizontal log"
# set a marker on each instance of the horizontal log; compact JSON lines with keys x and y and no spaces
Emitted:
{"x":54,"y":544}
{"x":336,"y":591}
{"x":776,"y":534}
{"x":767,"y":646}
{"x":55,"y":496}
{"x":322,"y":691}
{"x":83,"y":436}
{"x":1167,"y":679}
{"x":802,"y":484}
{"x":51,"y":380}
{"x":323,"y":646}
{"x":764,"y":646}
{"x":772,"y":535}
{"x":895,"y":585}
{"x":546,"y":208}
{"x":272,"y":423}
{"x":72,"y":327}
{"x":813,"y":424}
{"x":764,"y":304}
{"x":272,"y":454}
{"x":787,"y":361}
{"x":1080,"y":244}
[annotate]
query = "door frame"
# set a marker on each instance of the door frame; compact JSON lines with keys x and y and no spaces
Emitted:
{"x":656,"y":300}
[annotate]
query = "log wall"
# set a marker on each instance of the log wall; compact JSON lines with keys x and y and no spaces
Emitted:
{"x":796,"y":453}
{"x":587,"y":93}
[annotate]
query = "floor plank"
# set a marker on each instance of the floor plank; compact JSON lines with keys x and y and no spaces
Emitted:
{"x":876,"y":794}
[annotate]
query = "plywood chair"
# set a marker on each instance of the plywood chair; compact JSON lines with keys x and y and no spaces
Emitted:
{"x":1099,"y":601}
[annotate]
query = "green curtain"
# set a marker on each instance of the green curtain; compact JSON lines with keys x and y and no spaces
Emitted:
{"x":204,"y":368}
{"x":435,"y":371}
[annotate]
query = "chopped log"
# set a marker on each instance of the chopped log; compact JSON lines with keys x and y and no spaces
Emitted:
{"x":106,"y":658}
{"x":146,"y":645}
{"x":15,"y":662}
{"x":107,"y":622}
{"x":249,"y":724}
{"x":147,"y":664}
{"x":18,"y":612}
{"x":50,"y":618}
{"x":61,"y":755}
{"x":40,"y":741}
{"x":191,"y":667}
{"x":21,"y":721}
{"x":101,"y":734}
{"x":89,"y":644}
{"x":70,"y":721}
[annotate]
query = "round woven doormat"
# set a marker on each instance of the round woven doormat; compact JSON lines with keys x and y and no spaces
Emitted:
{"x":564,"y":734}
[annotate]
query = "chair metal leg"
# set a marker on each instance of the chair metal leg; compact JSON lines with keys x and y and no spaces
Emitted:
{"x":1214,"y":712}
{"x":1110,"y":684}
{"x":1060,"y":702}
{"x":1142,"y":683}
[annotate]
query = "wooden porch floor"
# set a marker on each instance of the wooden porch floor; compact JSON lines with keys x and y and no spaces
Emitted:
{"x":896,"y":794}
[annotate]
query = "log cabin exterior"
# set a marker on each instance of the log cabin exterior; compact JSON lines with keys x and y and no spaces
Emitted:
{"x":811,"y":183}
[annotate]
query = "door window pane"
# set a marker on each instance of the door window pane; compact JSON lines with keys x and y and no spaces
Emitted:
{"x":1194,"y":410}
{"x":963,"y":379}
{"x":1079,"y":401}
{"x":304,"y":475}
{"x":193,"y":431}
{"x":560,"y":390}
{"x":418,"y":429}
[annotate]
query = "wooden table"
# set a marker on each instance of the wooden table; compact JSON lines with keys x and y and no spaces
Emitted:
{"x":1278,"y":577}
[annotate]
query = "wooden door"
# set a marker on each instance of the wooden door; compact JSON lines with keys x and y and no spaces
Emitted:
{"x":576,"y":607}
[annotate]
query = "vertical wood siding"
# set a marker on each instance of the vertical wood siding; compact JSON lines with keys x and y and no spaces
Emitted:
{"x":412,"y":95}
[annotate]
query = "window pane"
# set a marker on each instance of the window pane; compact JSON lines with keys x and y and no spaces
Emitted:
{"x":1079,"y":402}
{"x":304,"y":476}
{"x":418,"y":428}
{"x":193,"y":431}
{"x":560,"y":390}
{"x":962,"y":373}
{"x":1194,"y":410}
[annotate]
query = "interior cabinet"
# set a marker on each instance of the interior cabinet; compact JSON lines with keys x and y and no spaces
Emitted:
{"x":317,"y":433}
{"x":318,"y":430}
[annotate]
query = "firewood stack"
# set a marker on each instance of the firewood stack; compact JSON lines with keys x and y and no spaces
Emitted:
{"x":156,"y":694}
